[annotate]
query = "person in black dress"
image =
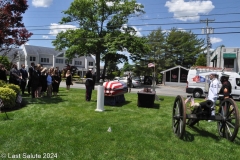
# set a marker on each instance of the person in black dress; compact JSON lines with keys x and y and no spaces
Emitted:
{"x":43,"y":81}
{"x":35,"y":78}
{"x":59,"y":74}
{"x":55,"y":83}
{"x":68,"y":79}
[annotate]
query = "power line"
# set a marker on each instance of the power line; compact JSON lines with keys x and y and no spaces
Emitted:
{"x":116,"y":37}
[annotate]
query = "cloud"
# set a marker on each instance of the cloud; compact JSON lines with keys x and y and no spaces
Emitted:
{"x":215,"y":40}
{"x":138,"y":33}
{"x":191,"y":10}
{"x":41,"y":3}
{"x":45,"y":37}
{"x":57,"y":28}
{"x":110,"y":4}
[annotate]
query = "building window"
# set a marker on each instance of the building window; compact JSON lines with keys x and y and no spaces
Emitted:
{"x":78,"y":63}
{"x":32,"y":58}
{"x":59,"y":60}
{"x":229,"y":63}
{"x":90,"y":63}
{"x":45,"y":60}
{"x":68,"y":61}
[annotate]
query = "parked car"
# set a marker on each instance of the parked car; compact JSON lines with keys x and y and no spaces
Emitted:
{"x":135,"y":82}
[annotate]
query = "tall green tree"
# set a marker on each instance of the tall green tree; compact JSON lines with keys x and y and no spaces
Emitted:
{"x":201,"y":60}
{"x":100,"y":28}
{"x":157,"y":55}
{"x":182,"y":48}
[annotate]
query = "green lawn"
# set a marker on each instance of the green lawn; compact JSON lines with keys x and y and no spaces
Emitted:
{"x":69,"y":127}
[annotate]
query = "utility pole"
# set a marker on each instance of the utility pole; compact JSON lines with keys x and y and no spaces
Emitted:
{"x":207,"y":31}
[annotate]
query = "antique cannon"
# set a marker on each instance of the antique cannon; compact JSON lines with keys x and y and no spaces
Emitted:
{"x":227,"y":116}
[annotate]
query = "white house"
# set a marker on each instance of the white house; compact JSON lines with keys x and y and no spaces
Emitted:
{"x":226,"y":57}
{"x":49,"y":57}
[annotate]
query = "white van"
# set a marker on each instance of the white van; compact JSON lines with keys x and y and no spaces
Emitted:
{"x":198,"y":77}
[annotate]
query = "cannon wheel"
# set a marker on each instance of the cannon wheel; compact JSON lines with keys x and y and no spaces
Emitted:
{"x":228,"y":126}
{"x":179,"y":117}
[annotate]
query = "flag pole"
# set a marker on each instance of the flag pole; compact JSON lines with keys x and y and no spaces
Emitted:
{"x":154,"y":77}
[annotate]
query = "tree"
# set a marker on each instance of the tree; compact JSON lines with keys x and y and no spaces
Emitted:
{"x":201,"y":60}
{"x":12,"y":31}
{"x":182,"y":48}
{"x":127,"y":67}
{"x":4,"y":60}
{"x":111,"y":61}
{"x":100,"y":29}
{"x":157,"y":55}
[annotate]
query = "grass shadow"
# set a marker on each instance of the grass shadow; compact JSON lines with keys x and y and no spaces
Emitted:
{"x":188,"y":137}
{"x":119,"y":104}
{"x":204,"y":133}
{"x":155,"y":106}
{"x":43,"y":100}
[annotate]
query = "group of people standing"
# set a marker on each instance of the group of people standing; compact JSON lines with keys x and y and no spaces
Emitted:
{"x":38,"y":80}
{"x":42,"y":80}
{"x":214,"y":84}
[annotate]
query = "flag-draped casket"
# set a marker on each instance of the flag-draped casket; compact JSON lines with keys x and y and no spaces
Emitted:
{"x":113,"y":88}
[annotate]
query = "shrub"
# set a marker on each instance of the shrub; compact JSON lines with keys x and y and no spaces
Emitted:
{"x":14,"y":87}
{"x":8,"y":97}
{"x":2,"y":83}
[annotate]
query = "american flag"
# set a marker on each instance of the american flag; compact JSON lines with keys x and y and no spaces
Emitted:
{"x":151,"y":65}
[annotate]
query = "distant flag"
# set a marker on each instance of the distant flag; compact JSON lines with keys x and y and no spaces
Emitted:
{"x":151,"y":65}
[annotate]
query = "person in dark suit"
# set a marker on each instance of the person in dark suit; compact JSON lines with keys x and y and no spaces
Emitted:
{"x":24,"y":78}
{"x":30,"y":71}
{"x":59,"y":77}
{"x":35,"y":77}
{"x":226,"y":88}
{"x":89,"y":85}
{"x":15,"y":75}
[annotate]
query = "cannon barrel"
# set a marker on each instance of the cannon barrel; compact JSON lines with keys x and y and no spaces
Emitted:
{"x":206,"y":104}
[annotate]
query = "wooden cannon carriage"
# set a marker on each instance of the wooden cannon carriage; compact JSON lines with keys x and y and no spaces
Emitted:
{"x":227,"y":116}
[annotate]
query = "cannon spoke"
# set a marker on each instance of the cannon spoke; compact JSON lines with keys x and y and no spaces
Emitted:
{"x":229,"y":126}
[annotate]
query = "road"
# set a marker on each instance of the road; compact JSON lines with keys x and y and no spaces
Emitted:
{"x":160,"y":89}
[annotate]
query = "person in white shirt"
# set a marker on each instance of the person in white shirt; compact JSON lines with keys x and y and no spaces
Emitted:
{"x":213,"y":91}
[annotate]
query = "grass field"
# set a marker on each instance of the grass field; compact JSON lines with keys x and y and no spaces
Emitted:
{"x":67,"y":127}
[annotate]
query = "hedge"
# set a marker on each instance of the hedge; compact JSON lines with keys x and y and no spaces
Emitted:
{"x":8,"y":94}
{"x":8,"y":97}
{"x":14,"y":87}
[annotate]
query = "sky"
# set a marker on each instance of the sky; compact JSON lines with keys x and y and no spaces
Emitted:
{"x":43,"y":16}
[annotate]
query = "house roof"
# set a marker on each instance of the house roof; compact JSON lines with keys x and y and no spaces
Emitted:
{"x":35,"y":50}
{"x":11,"y":52}
{"x":174,"y":68}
